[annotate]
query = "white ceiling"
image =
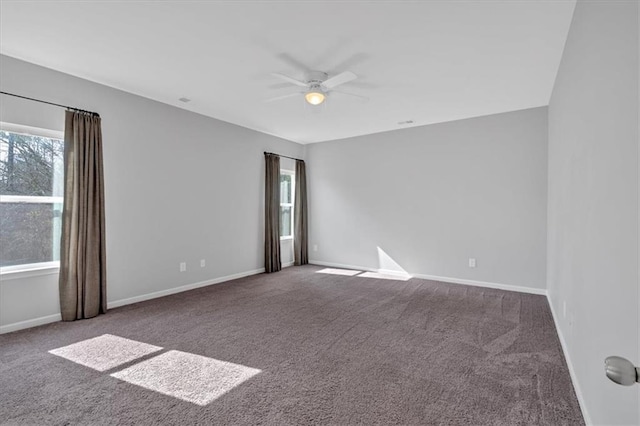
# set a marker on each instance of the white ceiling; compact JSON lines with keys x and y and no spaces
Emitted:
{"x":426,"y":61}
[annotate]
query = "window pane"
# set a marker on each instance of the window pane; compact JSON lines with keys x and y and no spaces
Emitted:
{"x":30,"y":165}
{"x":285,"y":221}
{"x":285,"y":189}
{"x":30,"y":233}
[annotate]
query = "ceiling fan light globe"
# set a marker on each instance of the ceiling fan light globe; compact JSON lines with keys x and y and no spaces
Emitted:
{"x":314,"y":98}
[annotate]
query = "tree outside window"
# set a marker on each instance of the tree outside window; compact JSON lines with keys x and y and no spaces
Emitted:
{"x":31,"y":194}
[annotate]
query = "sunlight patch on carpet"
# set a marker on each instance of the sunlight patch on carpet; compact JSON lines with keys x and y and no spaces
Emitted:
{"x":193,"y":378}
{"x":332,"y":271}
{"x":105,"y":352}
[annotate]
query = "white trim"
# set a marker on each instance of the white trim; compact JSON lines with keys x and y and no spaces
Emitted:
{"x":29,"y":270}
{"x":30,"y":323}
{"x":342,"y":266}
{"x":572,"y":371}
{"x":174,"y":290}
{"x":35,"y":199}
{"x":508,"y":287}
{"x":499,"y":286}
{"x":286,"y":265}
{"x":393,"y":272}
{"x":32,"y":131}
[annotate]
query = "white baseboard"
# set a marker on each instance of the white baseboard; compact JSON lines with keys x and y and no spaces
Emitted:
{"x":284,"y":265}
{"x":174,"y":290}
{"x":572,"y":371}
{"x":342,"y":266}
{"x":392,"y":272}
{"x":116,"y":303}
{"x":508,"y":287}
{"x":30,"y":323}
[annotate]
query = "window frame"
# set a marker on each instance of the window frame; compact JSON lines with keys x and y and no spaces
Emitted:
{"x":291,"y":204}
{"x":39,"y":268}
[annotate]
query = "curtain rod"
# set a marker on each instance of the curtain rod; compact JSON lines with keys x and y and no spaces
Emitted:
{"x":50,"y":103}
{"x":284,"y":156}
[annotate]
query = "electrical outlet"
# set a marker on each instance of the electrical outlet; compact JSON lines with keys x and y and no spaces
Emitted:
{"x":183,"y":266}
{"x":203,"y":263}
{"x":315,"y":247}
{"x":472,"y":262}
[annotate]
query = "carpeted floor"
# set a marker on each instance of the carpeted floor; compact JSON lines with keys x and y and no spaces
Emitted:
{"x":297,"y":347}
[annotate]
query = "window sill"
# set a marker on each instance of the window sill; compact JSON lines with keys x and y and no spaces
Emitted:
{"x":15,"y":273}
{"x":286,"y":238}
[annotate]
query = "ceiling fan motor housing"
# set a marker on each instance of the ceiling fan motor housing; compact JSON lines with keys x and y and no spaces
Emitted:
{"x":315,"y":78}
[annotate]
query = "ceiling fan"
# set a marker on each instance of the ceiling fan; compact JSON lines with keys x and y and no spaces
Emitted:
{"x":317,"y":86}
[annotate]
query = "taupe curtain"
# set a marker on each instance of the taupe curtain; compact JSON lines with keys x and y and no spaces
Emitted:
{"x":272,"y":213}
{"x":83,"y":282}
{"x":300,"y":240}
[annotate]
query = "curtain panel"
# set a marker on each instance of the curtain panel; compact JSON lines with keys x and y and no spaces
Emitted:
{"x":83,"y":278}
{"x":300,"y":239}
{"x":272,"y":261}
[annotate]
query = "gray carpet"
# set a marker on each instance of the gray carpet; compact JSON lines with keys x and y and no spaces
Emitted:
{"x":297,"y":347}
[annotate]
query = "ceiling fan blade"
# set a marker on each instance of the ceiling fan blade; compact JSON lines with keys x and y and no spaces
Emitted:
{"x":339,"y":79}
{"x":290,"y":79}
{"x":278,"y":98}
{"x":361,"y":98}
{"x":284,"y":57}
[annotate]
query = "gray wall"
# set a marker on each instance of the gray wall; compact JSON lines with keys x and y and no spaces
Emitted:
{"x":593,"y":202}
{"x":179,"y":187}
{"x":432,"y":197}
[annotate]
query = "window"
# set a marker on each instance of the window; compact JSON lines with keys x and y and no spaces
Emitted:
{"x":287,"y":184}
{"x":31,"y":194}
